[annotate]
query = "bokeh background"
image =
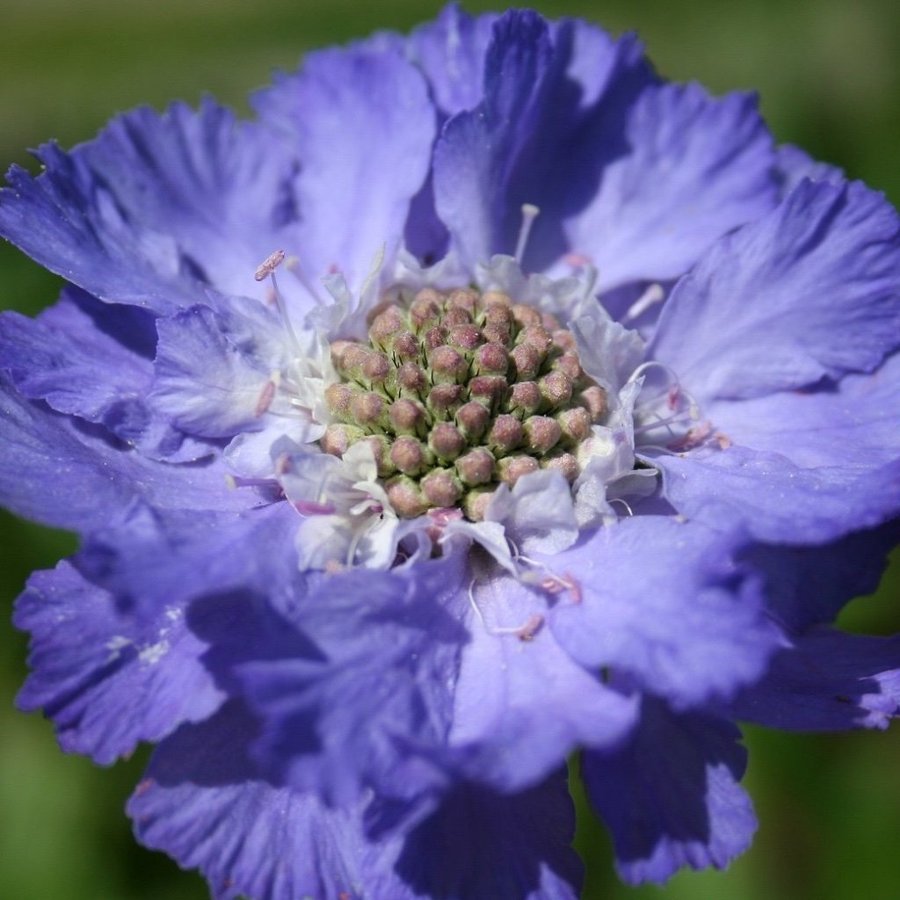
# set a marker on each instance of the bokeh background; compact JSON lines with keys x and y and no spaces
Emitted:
{"x":829,"y":75}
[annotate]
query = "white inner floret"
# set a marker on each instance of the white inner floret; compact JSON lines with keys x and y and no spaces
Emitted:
{"x":433,"y":406}
{"x":458,"y":392}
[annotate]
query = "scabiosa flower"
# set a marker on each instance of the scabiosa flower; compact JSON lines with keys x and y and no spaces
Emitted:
{"x":484,"y":400}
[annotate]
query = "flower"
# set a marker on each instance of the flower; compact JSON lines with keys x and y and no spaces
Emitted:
{"x":485,"y":399}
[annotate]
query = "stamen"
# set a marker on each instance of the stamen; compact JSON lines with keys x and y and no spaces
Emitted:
{"x":310,"y":508}
{"x":267,"y":395}
{"x":652,"y":295}
{"x":529,"y":214}
{"x":546,"y":579}
{"x":628,"y":509}
{"x":268,"y":266}
{"x":267,"y":270}
{"x":524,"y":632}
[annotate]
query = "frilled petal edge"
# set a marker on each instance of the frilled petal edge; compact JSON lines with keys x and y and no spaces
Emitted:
{"x":805,"y":293}
{"x":828,"y":681}
{"x":106,"y":678}
{"x":671,"y":797}
{"x":668,"y":602}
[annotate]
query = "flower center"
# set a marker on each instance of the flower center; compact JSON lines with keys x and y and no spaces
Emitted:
{"x":458,"y":392}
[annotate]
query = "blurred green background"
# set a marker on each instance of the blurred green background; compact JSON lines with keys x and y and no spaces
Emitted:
{"x":829,"y":75}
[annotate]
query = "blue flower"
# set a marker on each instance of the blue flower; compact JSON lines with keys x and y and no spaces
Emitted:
{"x":483,"y":400}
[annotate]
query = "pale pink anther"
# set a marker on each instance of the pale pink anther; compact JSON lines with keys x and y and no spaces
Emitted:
{"x":269,"y":265}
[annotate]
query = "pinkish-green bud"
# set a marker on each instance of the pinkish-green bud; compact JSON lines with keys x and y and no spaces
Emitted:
{"x":476,"y":467}
{"x":541,"y":433}
{"x":556,"y":389}
{"x":473,"y":418}
{"x":512,"y":468}
{"x":446,"y":441}
{"x":441,"y":488}
{"x":407,"y":416}
{"x":409,"y":456}
{"x":506,"y":434}
{"x":593,"y":399}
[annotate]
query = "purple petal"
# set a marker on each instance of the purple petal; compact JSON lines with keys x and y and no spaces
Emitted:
{"x":153,"y":558}
{"x":777,"y":500}
{"x":477,"y":150}
{"x":155,"y":208}
{"x":671,"y":797}
{"x":694,"y":169}
{"x":522,"y":704}
{"x":828,"y":457}
{"x":850,"y":425}
{"x":794,"y":164}
{"x":808,"y":586}
{"x":72,"y":474}
{"x":203,"y":803}
{"x":64,"y":358}
{"x":362,"y":125}
{"x":207,"y":380}
{"x":92,"y":360}
{"x":541,"y":103}
{"x":481,"y":844}
{"x":669,"y":603}
{"x":805,"y":293}
{"x":827,"y":681}
{"x":373,"y":706}
{"x":106,"y":678}
{"x":450,"y":52}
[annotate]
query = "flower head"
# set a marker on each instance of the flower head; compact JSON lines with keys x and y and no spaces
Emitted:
{"x":485,"y":399}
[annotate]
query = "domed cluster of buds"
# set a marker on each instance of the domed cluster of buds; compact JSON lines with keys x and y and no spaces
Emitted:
{"x":458,"y":392}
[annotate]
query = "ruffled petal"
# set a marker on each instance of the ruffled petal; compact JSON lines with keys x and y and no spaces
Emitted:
{"x":450,"y":52}
{"x":694,"y":169}
{"x":808,"y":586}
{"x":362,"y":124}
{"x":671,"y":797}
{"x":522,"y":704}
{"x":506,"y":847}
{"x":669,"y":603}
{"x":505,"y":152}
{"x":94,"y":361}
{"x":793,"y":165}
{"x":828,"y":456}
{"x":64,"y":358}
{"x":207,"y":380}
{"x":805,"y":293}
{"x":372,"y":705}
{"x":827,"y":681}
{"x":152,"y":558}
{"x":797,"y":505}
{"x":121,"y":641}
{"x":476,"y":151}
{"x":69,"y":473}
{"x":157,"y":207}
{"x":106,"y":678}
{"x":851,"y":425}
{"x":203,"y":803}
